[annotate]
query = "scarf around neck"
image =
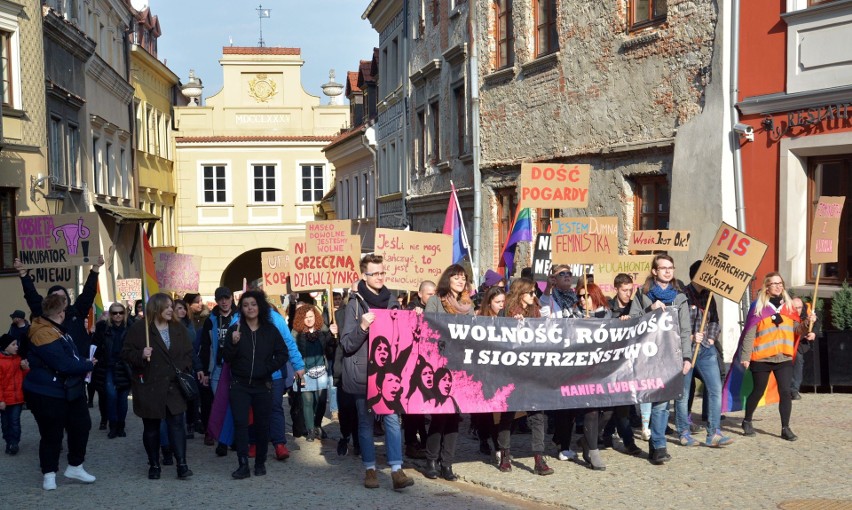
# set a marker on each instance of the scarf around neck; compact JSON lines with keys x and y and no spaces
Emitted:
{"x":565,"y":299}
{"x":374,"y":300}
{"x":456,"y":307}
{"x":666,"y":296}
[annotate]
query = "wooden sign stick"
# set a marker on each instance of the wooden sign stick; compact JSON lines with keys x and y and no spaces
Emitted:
{"x":703,"y":323}
{"x":586,"y":285}
{"x":814,"y":300}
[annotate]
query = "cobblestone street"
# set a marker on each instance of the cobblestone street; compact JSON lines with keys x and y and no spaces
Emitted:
{"x":759,"y":472}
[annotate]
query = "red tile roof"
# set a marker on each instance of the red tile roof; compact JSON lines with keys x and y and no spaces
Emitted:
{"x":346,"y":135}
{"x":257,"y":50}
{"x":352,"y":83}
{"x":249,"y":138}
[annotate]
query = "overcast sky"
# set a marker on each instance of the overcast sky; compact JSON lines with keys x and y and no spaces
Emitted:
{"x":330,"y":33}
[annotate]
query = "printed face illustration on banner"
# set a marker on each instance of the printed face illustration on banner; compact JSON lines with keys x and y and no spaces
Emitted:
{"x":825,"y":230}
{"x":438,"y":364}
{"x":730,"y":263}
{"x":584,"y":240}
{"x":64,"y":240}
{"x":411,"y":257}
{"x":554,"y":185}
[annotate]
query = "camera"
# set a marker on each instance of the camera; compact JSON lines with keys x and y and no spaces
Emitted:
{"x":745,"y":131}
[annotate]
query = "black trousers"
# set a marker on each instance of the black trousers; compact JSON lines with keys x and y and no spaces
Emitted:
{"x":563,"y":428}
{"x":783,"y":376}
{"x":177,"y":437}
{"x":442,"y":436}
{"x":347,"y":415}
{"x":259,"y":399}
{"x":55,"y":416}
{"x":413,"y":425}
{"x":537,"y":422}
{"x":593,"y":424}
{"x":206,"y":399}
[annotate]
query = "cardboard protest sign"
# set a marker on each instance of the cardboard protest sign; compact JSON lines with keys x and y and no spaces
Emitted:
{"x":554,"y":185}
{"x":541,"y":257}
{"x":46,"y":277}
{"x":177,"y":272}
{"x":128,"y":289}
{"x":659,"y":240}
{"x":584,"y":240}
{"x":411,"y":257}
{"x":825,"y":230}
{"x":319,"y":271}
{"x":64,"y":240}
{"x":275,"y":268}
{"x":730,"y":263}
{"x":637,"y":266}
{"x":328,"y":236}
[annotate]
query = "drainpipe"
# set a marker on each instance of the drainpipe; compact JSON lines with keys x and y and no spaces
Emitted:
{"x":474,"y":128}
{"x":368,"y":140}
{"x":735,"y":139}
{"x":405,"y":160}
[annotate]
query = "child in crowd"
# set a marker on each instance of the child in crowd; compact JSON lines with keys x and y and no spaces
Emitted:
{"x":12,"y":371}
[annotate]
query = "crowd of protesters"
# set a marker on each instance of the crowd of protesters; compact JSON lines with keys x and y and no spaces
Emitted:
{"x":223,"y":373}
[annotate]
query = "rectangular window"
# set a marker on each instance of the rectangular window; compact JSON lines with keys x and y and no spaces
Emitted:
{"x":6,"y":55}
{"x":110,"y":170}
{"x":140,"y":126}
{"x":7,"y":229}
{"x":356,"y":209}
{"x":461,"y":125}
{"x":125,"y":175}
{"x":652,"y":203}
{"x":436,"y":12}
{"x":831,"y":176}
{"x":546,"y":37}
{"x":647,"y":12}
{"x":504,"y":33}
{"x":505,"y":214}
{"x":543,"y":217}
{"x":312,"y":183}
{"x":56,"y":149}
{"x":435,"y":135}
{"x":97,"y":164}
{"x":215,"y":184}
{"x":151,"y":123}
{"x":73,"y":155}
{"x":422,"y":135}
{"x":264,"y":186}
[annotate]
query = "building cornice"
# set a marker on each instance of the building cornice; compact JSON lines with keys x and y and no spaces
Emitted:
{"x":64,"y":33}
{"x":152,"y":63}
{"x":783,"y":102}
{"x":104,"y":74}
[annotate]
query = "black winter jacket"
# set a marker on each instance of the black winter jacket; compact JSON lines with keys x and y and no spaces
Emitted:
{"x":257,"y":355}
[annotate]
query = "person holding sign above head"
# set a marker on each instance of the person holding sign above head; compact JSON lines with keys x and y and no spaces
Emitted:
{"x":707,"y":365}
{"x":767,"y":348}
{"x":371,"y":295}
{"x":451,"y":297}
{"x":660,"y":291}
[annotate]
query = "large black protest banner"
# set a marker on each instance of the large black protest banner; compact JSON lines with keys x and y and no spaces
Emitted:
{"x":437,"y":364}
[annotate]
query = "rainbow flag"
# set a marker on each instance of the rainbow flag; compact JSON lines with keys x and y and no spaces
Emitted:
{"x":97,"y":309}
{"x":739,"y":382}
{"x":454,"y":226}
{"x":149,"y":278}
{"x":521,"y":231}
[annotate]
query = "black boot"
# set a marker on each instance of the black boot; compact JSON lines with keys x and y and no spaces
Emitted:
{"x":748,"y":428}
{"x":431,"y":469}
{"x":103,"y":425}
{"x":113,"y":431}
{"x":120,"y":429}
{"x":183,"y":471}
{"x":787,"y":434}
{"x":259,"y":468}
{"x":168,"y":456}
{"x":154,"y":467}
{"x":243,"y":471}
{"x":447,"y":473}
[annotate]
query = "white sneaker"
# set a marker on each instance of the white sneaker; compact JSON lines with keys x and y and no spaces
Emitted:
{"x":567,"y":455}
{"x":49,"y":482}
{"x":78,"y":473}
{"x":646,"y":434}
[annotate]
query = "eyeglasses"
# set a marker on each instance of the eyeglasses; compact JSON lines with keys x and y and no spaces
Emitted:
{"x":667,"y":268}
{"x":377,"y":274}
{"x":113,"y":312}
{"x":582,"y":296}
{"x":531,"y":293}
{"x":563,"y":274}
{"x":772,"y":284}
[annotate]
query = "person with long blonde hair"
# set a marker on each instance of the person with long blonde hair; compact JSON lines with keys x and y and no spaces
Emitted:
{"x":521,"y":300}
{"x":767,"y":348}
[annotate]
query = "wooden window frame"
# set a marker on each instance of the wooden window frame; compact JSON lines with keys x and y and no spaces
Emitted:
{"x":842,"y":253}
{"x":215,"y":188}
{"x":461,"y":119}
{"x":652,"y":19}
{"x":639,"y":183}
{"x":507,"y":201}
{"x":547,"y":26}
{"x":313,"y":190}
{"x":502,"y":61}
{"x":435,"y":132}
{"x":9,"y":75}
{"x":422,"y":140}
{"x":543,"y":218}
{"x":7,"y":221}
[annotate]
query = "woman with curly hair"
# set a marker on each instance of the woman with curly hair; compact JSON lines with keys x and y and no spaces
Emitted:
{"x":521,"y":301}
{"x":451,"y":297}
{"x":315,"y":344}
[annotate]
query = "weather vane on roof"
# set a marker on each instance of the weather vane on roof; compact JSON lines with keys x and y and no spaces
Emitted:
{"x":262,"y":13}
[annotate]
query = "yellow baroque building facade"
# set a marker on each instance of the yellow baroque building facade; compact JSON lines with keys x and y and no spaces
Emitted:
{"x":249,"y":164}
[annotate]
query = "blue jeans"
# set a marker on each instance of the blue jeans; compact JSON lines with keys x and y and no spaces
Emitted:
{"x":277,"y":422}
{"x":332,"y":398}
{"x":659,"y":421}
{"x":116,"y":399}
{"x":708,"y":367}
{"x":393,"y":437}
{"x":11,"y":421}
